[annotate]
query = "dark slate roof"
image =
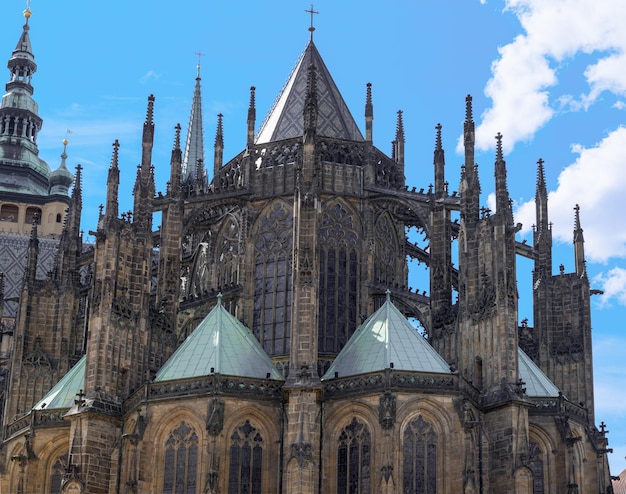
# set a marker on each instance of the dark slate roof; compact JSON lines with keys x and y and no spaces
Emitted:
{"x":286,"y":118}
{"x":386,"y":338}
{"x":222,"y":343}
{"x":64,"y":392}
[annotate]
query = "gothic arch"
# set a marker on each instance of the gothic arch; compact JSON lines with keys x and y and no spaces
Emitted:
{"x":386,"y":249}
{"x":541,"y":459}
{"x":154,"y":449}
{"x":272,"y":265}
{"x":439,"y":429}
{"x":341,"y":258}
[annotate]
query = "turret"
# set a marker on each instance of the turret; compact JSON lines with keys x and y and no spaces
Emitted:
{"x":176,"y":165}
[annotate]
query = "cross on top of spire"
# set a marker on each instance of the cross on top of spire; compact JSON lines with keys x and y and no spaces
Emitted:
{"x":312,"y":12}
{"x":200,"y":54}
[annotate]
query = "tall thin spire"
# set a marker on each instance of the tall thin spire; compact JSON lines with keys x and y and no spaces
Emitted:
{"x":251,"y":118}
{"x":218,"y":154}
{"x":399,"y":141}
{"x":194,"y":145}
{"x":579,"y":241}
{"x":541,"y":198}
{"x":369,"y":114}
{"x":175,"y":165}
{"x":439,"y":162}
{"x":113,"y":182}
{"x":503,"y":204}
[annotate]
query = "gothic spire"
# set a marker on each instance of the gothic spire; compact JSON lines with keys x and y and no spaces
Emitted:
{"x":251,"y":118}
{"x":113,"y":182}
{"x":399,"y":140}
{"x":369,"y":113}
{"x":218,"y":154}
{"x":175,"y":165}
{"x":579,"y":241}
{"x":470,"y":185}
{"x":194,"y":145}
{"x":541,"y":199}
{"x":439,"y":162}
{"x":503,"y":203}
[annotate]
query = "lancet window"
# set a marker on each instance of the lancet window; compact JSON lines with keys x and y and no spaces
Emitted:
{"x":339,"y":263}
{"x":419,"y":458}
{"x":272,"y":280}
{"x":536,"y":466}
{"x":180,"y":469}
{"x":353,"y":459}
{"x":246,"y":460}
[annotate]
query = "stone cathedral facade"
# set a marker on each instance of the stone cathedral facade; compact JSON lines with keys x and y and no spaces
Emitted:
{"x":258,"y":339}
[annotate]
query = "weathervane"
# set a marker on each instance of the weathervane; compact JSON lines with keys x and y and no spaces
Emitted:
{"x":27,"y":12}
{"x":312,"y":12}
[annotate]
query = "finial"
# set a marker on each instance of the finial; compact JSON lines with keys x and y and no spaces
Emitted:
{"x":219,"y":298}
{"x":399,"y":127}
{"x":468,"y":108}
{"x":388,"y":295}
{"x":577,"y":217}
{"x":27,"y":13}
{"x":499,"y":155}
{"x":311,"y":28}
{"x":200,"y":54}
{"x":219,"y":134}
{"x":150,"y":111}
{"x":116,"y":148}
{"x":438,"y":145}
{"x":177,"y":137}
{"x":252,"y":107}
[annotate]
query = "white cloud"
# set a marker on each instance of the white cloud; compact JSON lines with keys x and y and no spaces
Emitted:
{"x":596,"y":181}
{"x":527,"y":71}
{"x":613,"y":284}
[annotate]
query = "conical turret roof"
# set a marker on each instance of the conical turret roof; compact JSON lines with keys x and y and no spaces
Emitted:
{"x":285,"y":119}
{"x":386,"y":339}
{"x":220,"y":344}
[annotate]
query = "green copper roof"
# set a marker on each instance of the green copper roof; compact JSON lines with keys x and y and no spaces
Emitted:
{"x":62,"y":395}
{"x":222,"y":343}
{"x":535,"y":381}
{"x":286,"y":118}
{"x":386,"y":338}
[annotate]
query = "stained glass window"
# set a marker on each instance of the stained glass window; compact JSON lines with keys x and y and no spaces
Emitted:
{"x":419,"y":458}
{"x":536,"y":466}
{"x":246,"y":460}
{"x":56,"y":474}
{"x":353,"y":459}
{"x":272,"y":281}
{"x":181,"y":461}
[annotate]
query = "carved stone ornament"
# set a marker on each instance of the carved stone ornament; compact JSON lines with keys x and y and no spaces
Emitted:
{"x":302,"y":452}
{"x":387,"y":410}
{"x":215,"y":416}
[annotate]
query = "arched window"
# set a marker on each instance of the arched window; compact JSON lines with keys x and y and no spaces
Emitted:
{"x":271,"y":323}
{"x":59,"y":467}
{"x":353,"y":459}
{"x":339,"y":264}
{"x":181,"y":461}
{"x":9,"y":213}
{"x":419,"y":458}
{"x":536,"y":465}
{"x":31,"y":214}
{"x":246,"y":460}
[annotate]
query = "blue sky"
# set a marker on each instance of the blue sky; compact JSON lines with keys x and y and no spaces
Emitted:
{"x":549,"y":75}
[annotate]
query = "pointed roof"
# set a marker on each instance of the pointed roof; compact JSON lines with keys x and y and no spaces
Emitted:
{"x":536,"y":382}
{"x":63,"y":393}
{"x":386,"y":338}
{"x":222,"y":343}
{"x":194,"y":146}
{"x":286,"y":118}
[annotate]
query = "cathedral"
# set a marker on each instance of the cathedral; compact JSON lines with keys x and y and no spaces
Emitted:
{"x":262,"y":338}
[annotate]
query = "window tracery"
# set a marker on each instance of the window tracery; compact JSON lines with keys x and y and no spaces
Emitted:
{"x":181,"y":461}
{"x":419,"y":458}
{"x":246,"y":460}
{"x":272,"y":280}
{"x":353,"y":459}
